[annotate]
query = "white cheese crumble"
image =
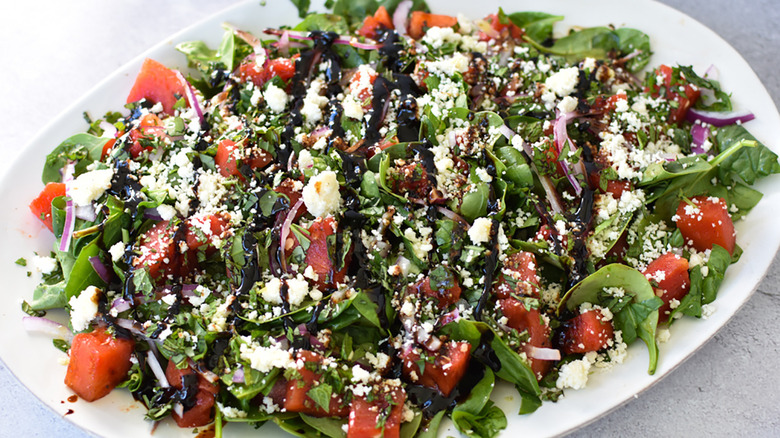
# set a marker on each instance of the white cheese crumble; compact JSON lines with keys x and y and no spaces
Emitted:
{"x":84,"y":308}
{"x":573,"y":375}
{"x":89,"y":186}
{"x":563,"y":82}
{"x":276,"y":98}
{"x":44,"y":265}
{"x":321,"y":194}
{"x":480,"y":230}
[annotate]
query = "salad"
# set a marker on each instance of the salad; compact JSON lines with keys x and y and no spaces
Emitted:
{"x":323,"y":231}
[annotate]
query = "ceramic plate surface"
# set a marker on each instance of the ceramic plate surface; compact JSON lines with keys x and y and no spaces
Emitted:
{"x":675,"y":38}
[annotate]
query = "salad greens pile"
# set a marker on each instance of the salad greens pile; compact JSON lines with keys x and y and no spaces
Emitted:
{"x":341,"y":222}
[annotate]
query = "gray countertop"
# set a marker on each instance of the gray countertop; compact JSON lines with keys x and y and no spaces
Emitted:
{"x":53,"y":52}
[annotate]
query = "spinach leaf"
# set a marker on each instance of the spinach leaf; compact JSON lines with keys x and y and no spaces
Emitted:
{"x":600,"y":43}
{"x":83,"y":274}
{"x":409,"y":429}
{"x":477,"y":415}
{"x":513,"y":368}
{"x":355,"y":10}
{"x":325,"y":22}
{"x":517,"y":169}
{"x":537,"y":25}
{"x":303,"y":7}
{"x":81,"y":148}
{"x":367,"y":308}
{"x":630,"y":41}
{"x":705,"y":281}
{"x":197,"y":52}
{"x":321,"y":395}
{"x":431,"y":430}
{"x":479,"y":396}
{"x":327,"y":426}
{"x":594,"y":42}
{"x":226,"y":50}
{"x":750,"y":163}
{"x":417,"y":5}
{"x":49,"y":296}
{"x":639,"y":318}
{"x":667,"y":192}
{"x":722,"y":100}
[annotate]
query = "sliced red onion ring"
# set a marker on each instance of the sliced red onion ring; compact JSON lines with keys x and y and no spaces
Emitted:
{"x":136,"y":328}
{"x":547,"y":184}
{"x":542,"y":353}
{"x":284,"y":44}
{"x":206,"y":374}
{"x":700,"y":133}
{"x":152,"y":213}
{"x":400,"y":16}
{"x":286,"y":228}
{"x":561,"y":137}
{"x":191,"y":96}
{"x":109,"y":130}
{"x":291,"y":34}
{"x":46,"y":326}
{"x":238,"y":376}
{"x":121,"y":305}
{"x":454,"y":216}
{"x":101,"y":269}
{"x":70,"y":219}
{"x":509,"y":134}
{"x":718,"y":119}
{"x":157,"y":370}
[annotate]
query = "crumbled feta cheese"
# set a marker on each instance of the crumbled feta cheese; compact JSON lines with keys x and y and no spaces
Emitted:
{"x":321,"y":194}
{"x":563,"y":82}
{"x":89,"y":186}
{"x":573,"y":374}
{"x":84,"y":308}
{"x":44,"y":265}
{"x":480,"y":230}
{"x":276,"y":98}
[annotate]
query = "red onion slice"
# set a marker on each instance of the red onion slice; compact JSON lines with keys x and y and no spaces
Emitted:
{"x":152,"y":213}
{"x":542,"y":353}
{"x":718,"y":119}
{"x":102,"y":271}
{"x":700,"y":134}
{"x":561,"y":137}
{"x":449,"y":214}
{"x":286,"y":229}
{"x":109,"y":130}
{"x":291,"y":34}
{"x":400,"y":16}
{"x":46,"y":326}
{"x":191,"y":97}
{"x":70,"y":219}
{"x":238,"y":376}
{"x":157,"y":370}
{"x":121,"y":305}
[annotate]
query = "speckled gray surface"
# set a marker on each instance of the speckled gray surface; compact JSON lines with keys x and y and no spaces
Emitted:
{"x":53,"y":52}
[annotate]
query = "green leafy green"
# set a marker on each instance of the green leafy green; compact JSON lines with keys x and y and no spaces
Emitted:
{"x":639,"y":318}
{"x":82,"y":149}
{"x":537,"y":25}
